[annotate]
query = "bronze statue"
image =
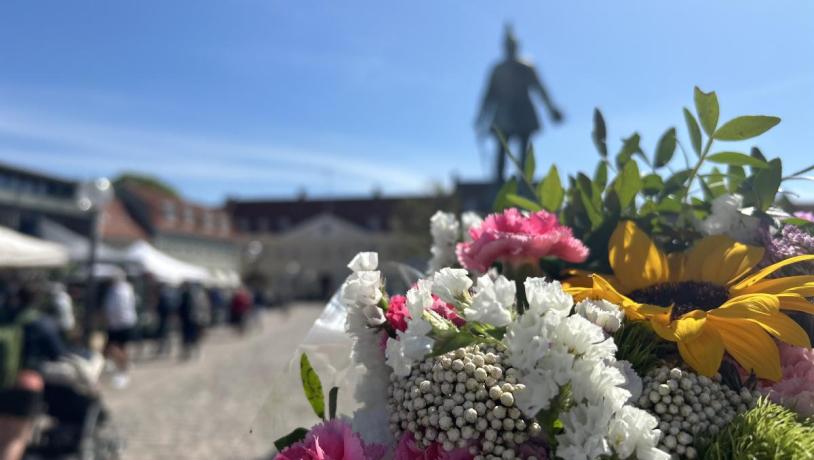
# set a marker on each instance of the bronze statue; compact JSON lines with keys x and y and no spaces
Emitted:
{"x":507,"y":105}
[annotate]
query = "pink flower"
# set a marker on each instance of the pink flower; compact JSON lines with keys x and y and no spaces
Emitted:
{"x":397,"y":313}
{"x":796,"y":389}
{"x":332,"y":440}
{"x":408,"y":449}
{"x":514,"y":237}
{"x":809,"y":216}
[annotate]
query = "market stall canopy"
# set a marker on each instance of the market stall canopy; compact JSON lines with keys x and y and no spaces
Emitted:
{"x":164,"y":267}
{"x":224,"y":278}
{"x":77,"y":245}
{"x":22,"y":251}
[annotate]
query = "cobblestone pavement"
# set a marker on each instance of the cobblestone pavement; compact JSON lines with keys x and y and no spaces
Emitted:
{"x":221,"y":405}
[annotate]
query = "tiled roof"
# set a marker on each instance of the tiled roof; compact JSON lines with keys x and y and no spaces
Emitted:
{"x":118,"y":225}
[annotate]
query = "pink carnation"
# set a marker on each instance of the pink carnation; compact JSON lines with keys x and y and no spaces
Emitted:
{"x":408,"y":449}
{"x":796,"y":389}
{"x":397,"y":313}
{"x":332,"y":440}
{"x":809,"y":216}
{"x":514,"y":237}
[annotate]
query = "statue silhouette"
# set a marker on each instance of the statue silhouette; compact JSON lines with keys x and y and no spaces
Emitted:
{"x":507,"y":106}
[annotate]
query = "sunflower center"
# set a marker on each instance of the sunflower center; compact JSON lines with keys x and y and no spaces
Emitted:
{"x":685,"y":296}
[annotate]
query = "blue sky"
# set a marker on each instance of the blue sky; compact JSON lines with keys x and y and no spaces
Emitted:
{"x":265,"y":98}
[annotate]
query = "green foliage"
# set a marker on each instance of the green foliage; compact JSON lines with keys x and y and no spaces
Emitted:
{"x":333,"y":394}
{"x":767,"y":431}
{"x":639,"y":344}
{"x":745,"y":127}
{"x":706,"y":105}
{"x":665,"y":148}
{"x":295,"y":436}
{"x":551,"y":191}
{"x":599,"y":134}
{"x":145,"y":181}
{"x":312,"y":386}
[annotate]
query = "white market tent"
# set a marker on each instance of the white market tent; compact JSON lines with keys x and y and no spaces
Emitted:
{"x":163,"y":267}
{"x":224,"y":278}
{"x":23,"y":251}
{"x":77,"y":245}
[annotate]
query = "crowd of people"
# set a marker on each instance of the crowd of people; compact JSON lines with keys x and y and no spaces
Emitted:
{"x":44,"y":329}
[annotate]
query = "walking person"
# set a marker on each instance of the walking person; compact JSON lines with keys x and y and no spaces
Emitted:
{"x":166,"y":310}
{"x":120,"y":312}
{"x":240,"y":308}
{"x":195,"y":314}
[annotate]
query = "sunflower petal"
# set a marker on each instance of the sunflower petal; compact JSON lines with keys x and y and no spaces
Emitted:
{"x":676,"y":261}
{"x":603,"y":289}
{"x":636,"y":260}
{"x":703,"y":353}
{"x":802,"y":284}
{"x":764,"y":310}
{"x":751,"y":347}
{"x":795,"y":302}
{"x":721,"y":260}
{"x":685,"y":328}
{"x":771,"y":269}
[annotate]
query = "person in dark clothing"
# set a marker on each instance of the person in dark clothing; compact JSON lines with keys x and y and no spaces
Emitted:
{"x":194,"y":314}
{"x":165,"y":309}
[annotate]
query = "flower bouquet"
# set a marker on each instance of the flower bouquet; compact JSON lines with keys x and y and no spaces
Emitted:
{"x":632,"y":316}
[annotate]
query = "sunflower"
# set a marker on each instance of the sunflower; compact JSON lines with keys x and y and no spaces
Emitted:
{"x":709,"y":299}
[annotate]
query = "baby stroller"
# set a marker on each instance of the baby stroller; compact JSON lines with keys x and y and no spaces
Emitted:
{"x":74,"y":423}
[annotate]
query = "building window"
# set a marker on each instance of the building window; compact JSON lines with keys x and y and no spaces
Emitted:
{"x":168,"y":211}
{"x":262,"y":224}
{"x":208,"y":221}
{"x":189,"y":216}
{"x":244,"y":225}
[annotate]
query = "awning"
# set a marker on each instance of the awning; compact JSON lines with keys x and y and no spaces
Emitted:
{"x":223,"y":278}
{"x":78,"y":245}
{"x":21,"y":251}
{"x":164,"y":267}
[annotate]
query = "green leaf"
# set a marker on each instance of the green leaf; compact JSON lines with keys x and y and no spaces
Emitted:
{"x":295,"y":436}
{"x":528,"y":168}
{"x":745,"y":127}
{"x":756,"y":153}
{"x":509,"y":187}
{"x":766,"y":183}
{"x":669,"y":205}
{"x":694,"y":130}
{"x":594,"y":214}
{"x":450,"y":342}
{"x":601,"y":174}
{"x":628,"y":184}
{"x":735,"y":176}
{"x":599,"y":134}
{"x":312,"y":386}
{"x":737,"y":159}
{"x":333,"y":394}
{"x":652,"y":184}
{"x":524,"y":203}
{"x":629,"y":147}
{"x":716,"y":182}
{"x":551,"y":191}
{"x":676,"y":182}
{"x":665,"y":148}
{"x":706,"y":105}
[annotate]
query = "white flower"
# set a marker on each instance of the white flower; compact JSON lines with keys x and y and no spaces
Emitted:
{"x":394,"y":357}
{"x":559,"y":363}
{"x":373,"y":423}
{"x":374,"y":314}
{"x":528,"y":339}
{"x":728,"y":218}
{"x":594,"y":382}
{"x":584,"y":434}
{"x":364,"y":261}
{"x":445,"y":231}
{"x":412,"y":345}
{"x":545,"y":295}
{"x":633,"y":383}
{"x":632,"y":432}
{"x":539,"y":391}
{"x":451,"y":284}
{"x":365,"y":349}
{"x":470,"y":219}
{"x":578,"y":334}
{"x":419,"y":298}
{"x":604,"y":314}
{"x":492,"y":302}
{"x":362,"y":288}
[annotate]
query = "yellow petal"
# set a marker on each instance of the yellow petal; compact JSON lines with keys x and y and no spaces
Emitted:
{"x":771,"y":269}
{"x":795,"y":302}
{"x":803,"y":285}
{"x":721,"y":260}
{"x":636,"y":261}
{"x":676,"y":261}
{"x":605,"y":290}
{"x":688,"y":327}
{"x":704,"y":352}
{"x":764,"y":310}
{"x":751,"y":347}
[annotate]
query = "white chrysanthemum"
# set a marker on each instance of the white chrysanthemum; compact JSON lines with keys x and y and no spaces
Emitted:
{"x":594,"y":381}
{"x":362,"y":288}
{"x":445,"y":231}
{"x":633,"y":383}
{"x":633,"y":433}
{"x":451,"y":284}
{"x":584,"y":434}
{"x":543,"y":295}
{"x":578,"y":334}
{"x":539,"y":391}
{"x":419,"y":298}
{"x":364,"y":261}
{"x":604,"y":314}
{"x":528,"y":338}
{"x":602,"y":351}
{"x":492,"y":302}
{"x":470,"y":219}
